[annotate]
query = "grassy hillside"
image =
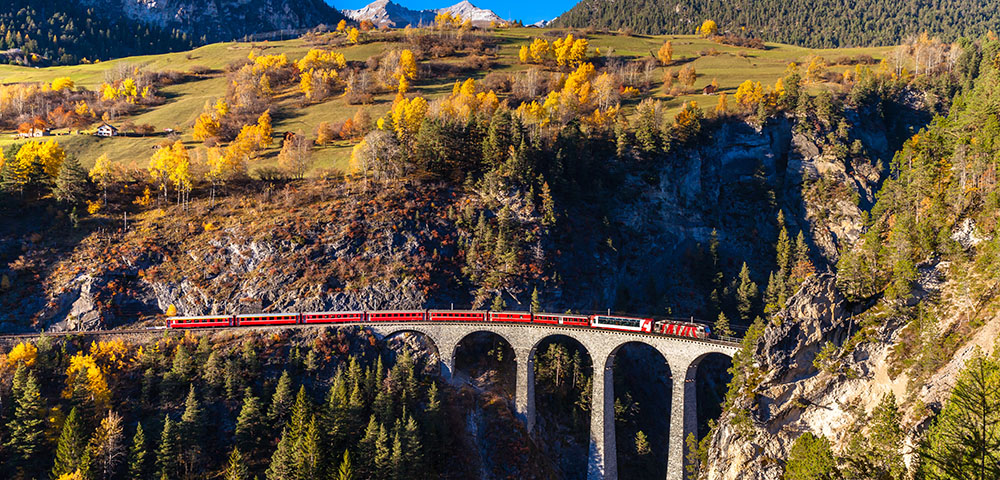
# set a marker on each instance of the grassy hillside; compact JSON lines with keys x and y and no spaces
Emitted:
{"x":727,"y":65}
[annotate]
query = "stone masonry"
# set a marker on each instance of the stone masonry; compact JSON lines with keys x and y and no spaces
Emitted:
{"x":682,"y":355}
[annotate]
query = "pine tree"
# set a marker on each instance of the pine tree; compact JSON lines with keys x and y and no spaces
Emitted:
{"x":548,"y":206}
{"x":383,"y":453}
{"x":536,"y":304}
{"x":810,"y":458}
{"x":192,"y":421}
{"x":281,"y":401}
{"x":641,"y":444}
{"x":138,"y":463}
{"x":301,"y":412}
{"x":345,"y":472}
{"x":237,"y":469}
{"x":783,"y":249}
{"x":166,"y":456}
{"x":283,"y":460}
{"x":366,"y":449}
{"x":249,"y":424}
{"x":396,"y":461}
{"x":335,"y":411}
{"x":192,"y":430}
{"x":71,"y":181}
{"x":25,"y":430}
{"x":308,"y":453}
{"x":414,"y":450}
{"x":963,"y":443}
{"x":746,"y":294}
{"x":69,"y":450}
{"x":722,"y":326}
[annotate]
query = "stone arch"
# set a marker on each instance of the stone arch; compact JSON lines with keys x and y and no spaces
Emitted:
{"x":559,"y":401}
{"x":505,"y":362}
{"x":655,"y":404}
{"x":436,"y":357}
{"x":684,"y":409}
{"x":710,"y":373}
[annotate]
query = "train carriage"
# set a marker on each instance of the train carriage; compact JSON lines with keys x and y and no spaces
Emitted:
{"x":254,"y":319}
{"x":203,"y":321}
{"x":627,"y":324}
{"x":682,"y":329}
{"x":574,"y":320}
{"x":333,"y":317}
{"x":397,"y":316}
{"x":457,"y":316}
{"x":516,"y":317}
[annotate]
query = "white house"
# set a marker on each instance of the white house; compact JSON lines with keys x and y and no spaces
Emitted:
{"x":106,"y":130}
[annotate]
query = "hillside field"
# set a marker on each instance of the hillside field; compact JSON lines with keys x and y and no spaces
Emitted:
{"x":728,"y":65}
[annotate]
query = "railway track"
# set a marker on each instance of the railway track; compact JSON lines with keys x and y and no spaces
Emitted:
{"x":162,"y":329}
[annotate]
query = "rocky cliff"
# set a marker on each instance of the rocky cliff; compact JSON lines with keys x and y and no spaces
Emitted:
{"x":821,"y":366}
{"x":220,"y":20}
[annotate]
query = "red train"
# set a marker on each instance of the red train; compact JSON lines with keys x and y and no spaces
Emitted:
{"x":605,"y":322}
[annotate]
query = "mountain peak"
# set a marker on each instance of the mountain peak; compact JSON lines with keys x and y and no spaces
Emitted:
{"x":388,"y":13}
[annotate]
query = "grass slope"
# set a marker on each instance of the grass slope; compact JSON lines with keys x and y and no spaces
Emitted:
{"x":729,"y":67}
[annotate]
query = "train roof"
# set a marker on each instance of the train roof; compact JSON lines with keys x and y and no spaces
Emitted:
{"x":285,"y":314}
{"x":460,"y":311}
{"x":194,"y":317}
{"x":330,"y":313}
{"x":395,"y":311}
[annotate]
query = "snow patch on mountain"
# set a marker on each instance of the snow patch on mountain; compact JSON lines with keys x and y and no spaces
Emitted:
{"x":391,"y":14}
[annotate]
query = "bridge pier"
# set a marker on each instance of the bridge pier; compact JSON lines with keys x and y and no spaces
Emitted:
{"x":602,"y":462}
{"x":525,"y":393}
{"x":683,"y":414}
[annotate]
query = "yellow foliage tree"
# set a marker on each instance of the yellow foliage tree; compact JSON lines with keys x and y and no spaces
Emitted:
{"x":708,"y":28}
{"x":205,"y":127}
{"x":749,"y":94}
{"x":63,"y":83}
{"x":49,"y":155}
{"x":341,"y":25}
{"x":407,"y":115}
{"x":408,"y":64}
{"x":353,"y":35}
{"x":83,"y":370}
{"x":25,"y":353}
{"x":540,"y":50}
{"x":221,"y":108}
{"x":523,"y":54}
{"x":321,"y":59}
{"x":266,"y":132}
{"x":666,"y":53}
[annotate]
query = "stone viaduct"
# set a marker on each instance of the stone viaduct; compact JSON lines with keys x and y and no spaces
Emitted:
{"x":682,"y":355}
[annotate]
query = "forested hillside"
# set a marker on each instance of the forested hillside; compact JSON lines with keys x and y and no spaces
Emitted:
{"x":799,"y":22}
{"x":272,"y":405}
{"x":43,"y":32}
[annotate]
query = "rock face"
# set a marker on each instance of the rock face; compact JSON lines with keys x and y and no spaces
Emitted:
{"x":794,"y":395}
{"x":391,"y":14}
{"x":219,"y":20}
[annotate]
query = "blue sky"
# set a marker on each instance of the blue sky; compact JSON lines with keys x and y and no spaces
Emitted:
{"x":527,"y":10}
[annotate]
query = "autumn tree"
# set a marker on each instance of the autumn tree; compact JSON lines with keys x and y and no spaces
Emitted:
{"x":666,"y":53}
{"x":708,"y":28}
{"x":106,"y":450}
{"x":296,"y":155}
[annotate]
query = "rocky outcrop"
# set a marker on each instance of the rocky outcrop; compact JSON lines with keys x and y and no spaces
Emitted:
{"x":220,"y":20}
{"x":795,"y":395}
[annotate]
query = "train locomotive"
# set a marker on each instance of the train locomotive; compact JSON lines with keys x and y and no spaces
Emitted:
{"x":603,"y":322}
